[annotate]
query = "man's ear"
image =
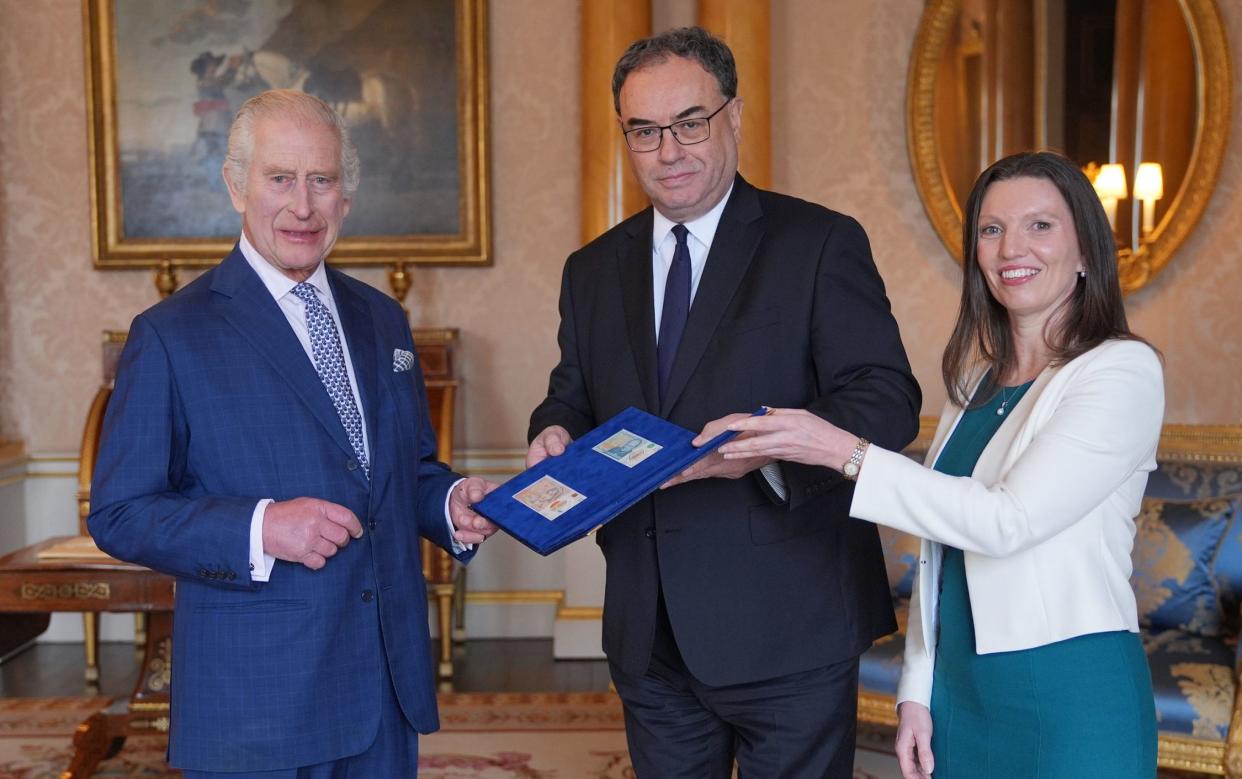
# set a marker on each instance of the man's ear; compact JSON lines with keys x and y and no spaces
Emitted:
{"x":238,"y":198}
{"x":735,"y":118}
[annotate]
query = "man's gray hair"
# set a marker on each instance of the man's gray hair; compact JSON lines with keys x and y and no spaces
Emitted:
{"x":693,"y":43}
{"x":292,"y":104}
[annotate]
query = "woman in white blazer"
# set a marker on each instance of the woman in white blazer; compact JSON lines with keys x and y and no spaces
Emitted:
{"x":1022,"y":643}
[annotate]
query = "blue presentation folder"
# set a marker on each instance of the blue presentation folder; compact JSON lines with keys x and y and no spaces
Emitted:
{"x":600,"y":475}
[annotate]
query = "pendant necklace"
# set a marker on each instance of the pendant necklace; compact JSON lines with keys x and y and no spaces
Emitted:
{"x":1005,"y":397}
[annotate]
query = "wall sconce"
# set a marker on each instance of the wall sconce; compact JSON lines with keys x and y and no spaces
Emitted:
{"x":1110,"y":185}
{"x":1149,"y":187}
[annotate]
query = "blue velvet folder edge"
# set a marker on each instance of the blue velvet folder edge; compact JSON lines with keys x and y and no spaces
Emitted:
{"x":609,"y":486}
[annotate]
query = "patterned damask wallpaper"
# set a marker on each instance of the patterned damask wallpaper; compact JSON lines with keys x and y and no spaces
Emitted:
{"x":839,"y":138}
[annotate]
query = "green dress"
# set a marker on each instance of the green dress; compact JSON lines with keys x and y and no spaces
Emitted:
{"x":1082,"y":707}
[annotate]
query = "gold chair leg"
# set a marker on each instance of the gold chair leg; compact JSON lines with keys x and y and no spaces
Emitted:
{"x":459,"y":606}
{"x":90,"y":643}
{"x":444,"y":614}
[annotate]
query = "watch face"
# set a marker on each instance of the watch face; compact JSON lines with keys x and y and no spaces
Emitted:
{"x":850,"y":469}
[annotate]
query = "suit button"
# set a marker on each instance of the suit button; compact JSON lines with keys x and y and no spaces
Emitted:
{"x":649,"y":532}
{"x":367,"y":596}
{"x":232,"y":576}
{"x":371,"y":524}
{"x":351,"y":465}
{"x":203,"y":572}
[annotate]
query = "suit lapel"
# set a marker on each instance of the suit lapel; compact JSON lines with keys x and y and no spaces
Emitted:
{"x":245,"y":303}
{"x":733,"y":247}
{"x":634,"y":267}
{"x":359,"y":330}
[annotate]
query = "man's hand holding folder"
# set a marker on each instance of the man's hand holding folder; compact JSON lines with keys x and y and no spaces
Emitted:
{"x":571,"y":487}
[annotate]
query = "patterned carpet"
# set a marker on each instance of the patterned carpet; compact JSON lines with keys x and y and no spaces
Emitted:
{"x":483,"y":736}
{"x":36,"y":741}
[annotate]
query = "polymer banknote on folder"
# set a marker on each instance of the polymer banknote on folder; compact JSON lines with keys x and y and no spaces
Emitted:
{"x":600,"y":475}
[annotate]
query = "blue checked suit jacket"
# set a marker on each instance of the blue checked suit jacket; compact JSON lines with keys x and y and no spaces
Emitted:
{"x":217,"y":406}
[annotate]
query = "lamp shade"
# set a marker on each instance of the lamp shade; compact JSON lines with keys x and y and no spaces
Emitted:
{"x":1149,"y":182}
{"x":1111,"y":181}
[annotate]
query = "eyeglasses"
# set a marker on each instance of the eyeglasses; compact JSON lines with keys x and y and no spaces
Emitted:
{"x":687,"y":132}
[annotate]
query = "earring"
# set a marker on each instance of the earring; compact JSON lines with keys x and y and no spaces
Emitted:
{"x":1082,"y":274}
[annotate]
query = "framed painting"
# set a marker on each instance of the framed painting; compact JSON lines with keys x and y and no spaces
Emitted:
{"x":165,"y":77}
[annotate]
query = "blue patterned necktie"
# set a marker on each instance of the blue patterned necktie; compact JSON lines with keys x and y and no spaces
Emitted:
{"x":676,"y":307}
{"x":330,"y":364}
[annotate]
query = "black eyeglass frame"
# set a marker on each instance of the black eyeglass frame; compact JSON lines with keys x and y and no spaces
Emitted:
{"x":672,"y":128}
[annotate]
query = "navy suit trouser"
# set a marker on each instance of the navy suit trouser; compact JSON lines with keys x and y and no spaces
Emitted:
{"x":800,"y":726}
{"x":392,"y":755}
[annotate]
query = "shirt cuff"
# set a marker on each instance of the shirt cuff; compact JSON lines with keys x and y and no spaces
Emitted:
{"x":458,"y":547}
{"x":776,"y":480}
{"x":260,"y":564}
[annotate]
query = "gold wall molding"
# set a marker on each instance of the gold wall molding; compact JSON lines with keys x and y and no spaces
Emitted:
{"x":536,"y":598}
{"x":495,"y":464}
{"x":516,"y":597}
{"x":580,"y":612}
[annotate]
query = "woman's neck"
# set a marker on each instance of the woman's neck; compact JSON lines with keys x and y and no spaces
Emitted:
{"x":1031,"y":355}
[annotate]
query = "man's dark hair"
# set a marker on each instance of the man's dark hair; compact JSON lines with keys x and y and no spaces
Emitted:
{"x":690,"y":42}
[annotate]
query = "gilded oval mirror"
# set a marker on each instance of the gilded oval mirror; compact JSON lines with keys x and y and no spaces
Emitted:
{"x":1108,"y":82}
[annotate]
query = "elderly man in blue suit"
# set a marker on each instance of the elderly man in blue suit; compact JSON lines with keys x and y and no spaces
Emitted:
{"x":268,"y":444}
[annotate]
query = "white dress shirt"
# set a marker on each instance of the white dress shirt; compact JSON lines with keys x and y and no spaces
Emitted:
{"x":702,"y":232}
{"x":281,"y":288}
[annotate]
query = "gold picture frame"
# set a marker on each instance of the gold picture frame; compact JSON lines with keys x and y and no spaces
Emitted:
{"x":164,"y":78}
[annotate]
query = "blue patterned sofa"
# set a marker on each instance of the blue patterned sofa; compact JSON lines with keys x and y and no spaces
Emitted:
{"x":1188,"y":580}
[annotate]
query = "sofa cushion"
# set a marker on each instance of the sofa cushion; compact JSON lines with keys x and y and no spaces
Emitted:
{"x":901,"y":560}
{"x":1192,"y":679}
{"x":879,"y":668}
{"x":1173,"y":480}
{"x":1228,"y":570}
{"x":1175,"y":550}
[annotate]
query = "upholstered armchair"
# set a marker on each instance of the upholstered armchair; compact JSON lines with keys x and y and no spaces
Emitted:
{"x":1188,"y":582}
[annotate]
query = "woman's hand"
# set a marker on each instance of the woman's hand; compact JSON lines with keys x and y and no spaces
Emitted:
{"x":792,"y":435}
{"x":914,"y":732}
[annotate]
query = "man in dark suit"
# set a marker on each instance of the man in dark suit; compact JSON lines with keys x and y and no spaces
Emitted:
{"x":268,"y":444}
{"x":737,"y":600}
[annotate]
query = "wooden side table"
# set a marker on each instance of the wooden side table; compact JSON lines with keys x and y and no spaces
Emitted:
{"x":62,"y":574}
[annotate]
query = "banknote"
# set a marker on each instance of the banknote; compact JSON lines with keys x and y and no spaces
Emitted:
{"x":549,"y":497}
{"x":627,"y":448}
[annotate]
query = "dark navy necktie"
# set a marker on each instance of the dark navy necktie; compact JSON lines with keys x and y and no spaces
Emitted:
{"x":676,"y":307}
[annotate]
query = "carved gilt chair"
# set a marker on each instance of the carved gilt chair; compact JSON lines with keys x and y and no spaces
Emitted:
{"x":113,"y":342}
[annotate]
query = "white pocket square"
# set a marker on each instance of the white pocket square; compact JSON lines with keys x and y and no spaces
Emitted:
{"x":402,"y":360}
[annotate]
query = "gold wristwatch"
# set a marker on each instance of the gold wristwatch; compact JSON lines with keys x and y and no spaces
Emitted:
{"x":852,"y":465}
